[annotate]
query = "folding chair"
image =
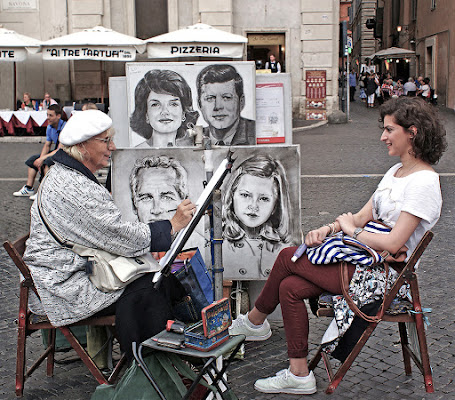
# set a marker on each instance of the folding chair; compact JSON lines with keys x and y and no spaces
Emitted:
{"x":29,"y":323}
{"x":408,"y":275}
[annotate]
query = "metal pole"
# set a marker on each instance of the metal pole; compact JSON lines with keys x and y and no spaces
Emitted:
{"x":348,"y":94}
{"x":218,"y":242}
{"x":14,"y":86}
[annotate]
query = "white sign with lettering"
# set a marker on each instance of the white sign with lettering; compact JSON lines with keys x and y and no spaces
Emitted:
{"x":12,"y":54}
{"x":99,"y":53}
{"x":10,"y":5}
{"x":174,"y":50}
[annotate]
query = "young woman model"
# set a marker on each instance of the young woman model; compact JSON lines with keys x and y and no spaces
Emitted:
{"x":408,"y":199}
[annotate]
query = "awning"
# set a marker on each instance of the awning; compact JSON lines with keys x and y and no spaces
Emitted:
{"x":392,"y":52}
{"x":98,"y":43}
{"x":199,"y":40}
{"x":14,"y":46}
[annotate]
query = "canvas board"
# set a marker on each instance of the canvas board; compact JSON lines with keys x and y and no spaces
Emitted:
{"x":261,"y":215}
{"x":123,"y":161}
{"x":189,"y":71}
{"x":251,"y":256}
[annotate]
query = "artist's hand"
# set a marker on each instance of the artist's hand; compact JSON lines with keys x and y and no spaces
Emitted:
{"x":315,"y":238}
{"x":183,"y":215}
{"x":347,"y":223}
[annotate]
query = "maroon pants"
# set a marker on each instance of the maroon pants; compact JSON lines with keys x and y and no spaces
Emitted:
{"x":288,"y":284}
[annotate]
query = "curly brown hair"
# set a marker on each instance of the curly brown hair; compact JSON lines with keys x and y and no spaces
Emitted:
{"x":430,"y":140}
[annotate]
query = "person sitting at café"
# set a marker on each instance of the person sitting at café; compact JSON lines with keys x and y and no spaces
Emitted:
{"x":47,"y":101}
{"x":79,"y":209}
{"x":43,"y":161}
{"x":28,"y":104}
{"x":410,"y":88}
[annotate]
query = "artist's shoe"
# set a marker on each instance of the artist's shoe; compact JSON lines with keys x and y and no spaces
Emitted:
{"x":24,"y":192}
{"x":284,"y":382}
{"x":241,"y":326}
{"x":33,"y":196}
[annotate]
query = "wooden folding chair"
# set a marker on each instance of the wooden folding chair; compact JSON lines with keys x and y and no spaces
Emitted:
{"x":29,"y":323}
{"x":408,"y":275}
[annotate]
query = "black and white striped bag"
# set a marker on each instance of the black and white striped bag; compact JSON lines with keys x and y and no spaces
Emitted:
{"x":341,"y":247}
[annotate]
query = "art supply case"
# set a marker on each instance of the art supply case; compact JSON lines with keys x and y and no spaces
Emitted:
{"x":213,"y":329}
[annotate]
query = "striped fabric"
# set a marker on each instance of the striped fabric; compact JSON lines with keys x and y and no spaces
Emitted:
{"x":341,"y":247}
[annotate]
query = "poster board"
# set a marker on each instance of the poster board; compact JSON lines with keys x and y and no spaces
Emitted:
{"x":316,"y":92}
{"x":259,"y":204}
{"x":118,"y":110}
{"x":189,"y":72}
{"x":273,"y":108}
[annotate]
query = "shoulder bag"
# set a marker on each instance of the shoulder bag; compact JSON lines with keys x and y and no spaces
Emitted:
{"x":344,"y":249}
{"x":107,"y":271}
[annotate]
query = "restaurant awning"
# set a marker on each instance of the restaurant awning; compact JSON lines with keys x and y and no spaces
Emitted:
{"x":199,"y":40}
{"x":98,"y":43}
{"x":392,"y":52}
{"x":14,"y":47}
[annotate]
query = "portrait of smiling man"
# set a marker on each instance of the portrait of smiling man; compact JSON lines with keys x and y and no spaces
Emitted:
{"x":221,"y":100}
{"x":158,"y":185}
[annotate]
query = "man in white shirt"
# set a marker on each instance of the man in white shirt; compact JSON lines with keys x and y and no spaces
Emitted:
{"x":410,"y":88}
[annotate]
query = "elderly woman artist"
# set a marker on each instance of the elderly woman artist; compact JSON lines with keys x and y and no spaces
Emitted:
{"x":82,"y":211}
{"x":163,"y":110}
{"x":408,"y":199}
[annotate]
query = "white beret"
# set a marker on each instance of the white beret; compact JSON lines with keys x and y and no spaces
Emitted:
{"x":83,"y":125}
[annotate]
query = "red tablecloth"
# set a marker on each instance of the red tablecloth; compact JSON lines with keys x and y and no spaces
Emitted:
{"x":10,"y":120}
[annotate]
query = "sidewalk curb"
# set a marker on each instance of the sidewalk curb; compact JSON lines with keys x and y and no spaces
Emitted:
{"x":22,"y":139}
{"x":306,"y":128}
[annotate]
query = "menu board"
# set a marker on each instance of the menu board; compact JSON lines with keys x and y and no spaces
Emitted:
{"x":316,"y":89}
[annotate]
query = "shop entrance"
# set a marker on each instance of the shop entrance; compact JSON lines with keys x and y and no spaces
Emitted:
{"x":262,"y":45}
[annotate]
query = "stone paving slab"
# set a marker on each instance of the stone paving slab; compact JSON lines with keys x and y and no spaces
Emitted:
{"x":378,"y":371}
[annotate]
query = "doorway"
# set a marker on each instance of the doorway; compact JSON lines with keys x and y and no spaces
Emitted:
{"x":262,"y":45}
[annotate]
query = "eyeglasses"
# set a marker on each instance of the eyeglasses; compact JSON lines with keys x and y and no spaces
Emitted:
{"x":107,"y":140}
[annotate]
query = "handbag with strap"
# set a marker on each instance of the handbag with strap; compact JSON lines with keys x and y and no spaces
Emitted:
{"x":344,"y":249}
{"x":107,"y":271}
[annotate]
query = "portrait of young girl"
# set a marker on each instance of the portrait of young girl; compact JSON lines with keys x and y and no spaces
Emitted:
{"x":256,"y":216}
{"x":163,"y":110}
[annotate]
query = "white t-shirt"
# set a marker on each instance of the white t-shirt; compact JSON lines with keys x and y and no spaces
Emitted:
{"x":418,"y":194}
{"x":425,"y":90}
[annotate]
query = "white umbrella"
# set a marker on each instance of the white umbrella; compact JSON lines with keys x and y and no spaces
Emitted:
{"x":15,"y":47}
{"x":198,"y":40}
{"x":98,"y":43}
{"x":392,"y":52}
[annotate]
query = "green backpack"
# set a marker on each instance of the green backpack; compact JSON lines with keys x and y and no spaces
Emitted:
{"x":168,"y":371}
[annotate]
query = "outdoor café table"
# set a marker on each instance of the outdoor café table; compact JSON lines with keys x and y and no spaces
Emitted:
{"x":232,"y":345}
{"x":10,"y":120}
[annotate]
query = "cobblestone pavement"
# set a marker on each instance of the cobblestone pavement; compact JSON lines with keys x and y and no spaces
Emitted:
{"x":329,"y":151}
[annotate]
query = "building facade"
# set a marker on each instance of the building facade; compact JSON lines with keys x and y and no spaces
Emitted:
{"x":425,"y":27}
{"x":302,"y":34}
{"x":363,"y":40}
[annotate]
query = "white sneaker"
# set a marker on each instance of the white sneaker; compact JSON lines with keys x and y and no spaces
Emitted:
{"x":284,"y":382}
{"x":240,"y":326}
{"x":24,"y":192}
{"x":33,"y":196}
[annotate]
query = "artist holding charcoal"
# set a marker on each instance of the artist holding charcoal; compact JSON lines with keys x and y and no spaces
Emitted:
{"x":82,"y":211}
